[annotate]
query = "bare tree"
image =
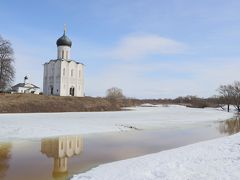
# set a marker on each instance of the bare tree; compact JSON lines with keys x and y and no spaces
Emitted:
{"x":114,"y":93}
{"x":235,"y":88}
{"x":115,"y":97}
{"x":7,"y":71}
{"x":226,"y":95}
{"x":231,"y":94}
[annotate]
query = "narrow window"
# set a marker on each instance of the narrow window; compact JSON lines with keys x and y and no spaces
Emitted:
{"x":51,"y":90}
{"x":72,"y":72}
{"x":66,"y":54}
{"x":62,"y":54}
{"x":79,"y":73}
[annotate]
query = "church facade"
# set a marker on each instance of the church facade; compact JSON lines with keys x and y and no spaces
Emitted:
{"x":63,"y":76}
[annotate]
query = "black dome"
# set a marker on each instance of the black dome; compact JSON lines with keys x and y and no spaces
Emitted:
{"x":64,"y":41}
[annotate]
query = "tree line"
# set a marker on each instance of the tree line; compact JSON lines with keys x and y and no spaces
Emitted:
{"x":227,"y":95}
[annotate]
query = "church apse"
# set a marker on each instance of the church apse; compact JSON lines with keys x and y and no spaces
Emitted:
{"x":60,"y":149}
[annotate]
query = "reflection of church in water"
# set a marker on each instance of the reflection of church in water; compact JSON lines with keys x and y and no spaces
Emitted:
{"x":61,"y":148}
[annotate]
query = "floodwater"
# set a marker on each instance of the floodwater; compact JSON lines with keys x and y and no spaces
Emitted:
{"x":61,"y":157}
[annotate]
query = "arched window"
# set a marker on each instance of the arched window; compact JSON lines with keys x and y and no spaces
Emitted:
{"x":51,"y":90}
{"x":62,"y":54}
{"x":72,"y":72}
{"x":66,"y":54}
{"x":63,"y":71}
{"x":71,"y":91}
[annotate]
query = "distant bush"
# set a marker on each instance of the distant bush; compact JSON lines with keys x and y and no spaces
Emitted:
{"x":114,"y":93}
{"x":196,"y":102}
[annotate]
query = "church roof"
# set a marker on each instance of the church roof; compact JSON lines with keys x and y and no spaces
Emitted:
{"x":64,"y":41}
{"x":28,"y":85}
{"x":67,"y":60}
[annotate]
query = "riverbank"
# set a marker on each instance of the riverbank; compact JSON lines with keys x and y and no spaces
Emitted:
{"x":31,"y":103}
{"x":214,"y":159}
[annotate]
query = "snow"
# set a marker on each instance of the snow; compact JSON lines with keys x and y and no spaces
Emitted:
{"x":217,"y":159}
{"x":38,"y":125}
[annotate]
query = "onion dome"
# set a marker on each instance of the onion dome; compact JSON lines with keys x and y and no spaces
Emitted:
{"x":64,"y":41}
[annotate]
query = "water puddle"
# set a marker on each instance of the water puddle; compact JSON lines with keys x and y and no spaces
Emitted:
{"x":61,"y":157}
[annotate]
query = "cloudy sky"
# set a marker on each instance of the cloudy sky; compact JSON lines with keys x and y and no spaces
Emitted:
{"x":149,"y":48}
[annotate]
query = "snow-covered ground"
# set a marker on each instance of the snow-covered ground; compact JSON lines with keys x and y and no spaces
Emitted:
{"x":217,"y":159}
{"x":37,"y":125}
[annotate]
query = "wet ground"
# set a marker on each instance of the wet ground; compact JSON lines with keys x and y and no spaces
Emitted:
{"x":61,"y":157}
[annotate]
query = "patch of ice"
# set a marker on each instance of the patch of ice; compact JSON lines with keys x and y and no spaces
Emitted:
{"x":38,"y":125}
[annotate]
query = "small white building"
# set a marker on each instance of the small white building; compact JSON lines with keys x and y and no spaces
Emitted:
{"x":26,"y":87}
{"x":63,"y":76}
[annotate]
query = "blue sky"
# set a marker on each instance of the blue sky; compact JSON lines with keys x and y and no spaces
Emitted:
{"x":149,"y":48}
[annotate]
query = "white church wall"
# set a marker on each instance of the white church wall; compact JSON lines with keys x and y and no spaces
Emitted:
{"x":64,"y":78}
{"x":72,"y":76}
{"x":57,"y":75}
{"x":81,"y":80}
{"x":26,"y":90}
{"x":45,"y":79}
{"x":20,"y":90}
{"x":52,"y":75}
{"x":63,"y":52}
{"x":37,"y":91}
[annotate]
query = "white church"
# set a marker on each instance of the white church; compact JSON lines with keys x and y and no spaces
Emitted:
{"x":63,"y":76}
{"x":25,"y":87}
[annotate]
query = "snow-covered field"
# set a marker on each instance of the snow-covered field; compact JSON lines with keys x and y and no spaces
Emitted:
{"x":217,"y":159}
{"x":37,"y":125}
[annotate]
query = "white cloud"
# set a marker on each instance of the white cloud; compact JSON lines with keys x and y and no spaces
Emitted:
{"x":190,"y":78}
{"x":140,"y":46}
